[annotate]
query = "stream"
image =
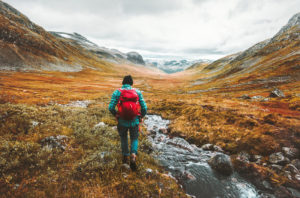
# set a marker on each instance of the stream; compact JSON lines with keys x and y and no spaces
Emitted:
{"x":188,"y":164}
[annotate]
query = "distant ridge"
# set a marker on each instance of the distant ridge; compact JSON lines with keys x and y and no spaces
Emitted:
{"x":275,"y":58}
{"x":25,"y":46}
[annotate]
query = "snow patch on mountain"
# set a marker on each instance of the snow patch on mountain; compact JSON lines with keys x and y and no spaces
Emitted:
{"x":112,"y":55}
{"x":172,"y":66}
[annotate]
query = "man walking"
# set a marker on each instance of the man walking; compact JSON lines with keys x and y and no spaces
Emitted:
{"x":131,"y":109}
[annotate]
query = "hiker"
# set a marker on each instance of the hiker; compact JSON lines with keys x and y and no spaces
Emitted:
{"x":131,"y":109}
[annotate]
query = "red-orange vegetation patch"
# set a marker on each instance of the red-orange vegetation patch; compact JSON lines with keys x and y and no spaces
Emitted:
{"x":279,"y":107}
{"x":43,"y":87}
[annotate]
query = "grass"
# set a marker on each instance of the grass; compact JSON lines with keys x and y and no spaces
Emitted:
{"x":90,"y":165}
{"x":217,"y":116}
{"x":234,"y":125}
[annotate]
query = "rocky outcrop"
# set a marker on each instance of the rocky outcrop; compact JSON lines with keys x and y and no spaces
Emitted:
{"x":276,"y":93}
{"x":111,"y":55}
{"x":55,"y":142}
{"x":135,"y":57}
{"x":283,"y":34}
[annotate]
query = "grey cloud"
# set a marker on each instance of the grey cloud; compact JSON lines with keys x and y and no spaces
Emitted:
{"x":150,"y":7}
{"x":262,"y":21}
{"x":71,"y":6}
{"x":202,"y":51}
{"x":199,"y":1}
{"x":165,"y":26}
{"x":126,"y":7}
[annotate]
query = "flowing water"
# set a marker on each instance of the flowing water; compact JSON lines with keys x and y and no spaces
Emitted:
{"x":188,"y":164}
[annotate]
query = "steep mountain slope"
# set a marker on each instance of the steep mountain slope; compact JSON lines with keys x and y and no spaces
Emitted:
{"x":27,"y":46}
{"x":272,"y":62}
{"x":111,"y":55}
{"x":40,"y":106}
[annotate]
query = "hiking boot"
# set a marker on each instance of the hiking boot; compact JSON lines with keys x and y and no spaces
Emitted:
{"x":133,"y":162}
{"x":125,"y":159}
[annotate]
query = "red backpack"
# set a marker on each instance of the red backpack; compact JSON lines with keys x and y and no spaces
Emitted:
{"x":128,"y":106}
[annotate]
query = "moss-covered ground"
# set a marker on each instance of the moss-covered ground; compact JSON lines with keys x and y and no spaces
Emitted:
{"x":90,"y":166}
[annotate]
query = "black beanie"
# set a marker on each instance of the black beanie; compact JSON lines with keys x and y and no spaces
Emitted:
{"x":127,"y":80}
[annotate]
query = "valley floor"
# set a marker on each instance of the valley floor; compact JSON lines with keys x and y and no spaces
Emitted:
{"x":87,"y":162}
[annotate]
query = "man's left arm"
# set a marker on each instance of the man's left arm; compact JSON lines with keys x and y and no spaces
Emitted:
{"x":113,"y":102}
{"x":142,"y":103}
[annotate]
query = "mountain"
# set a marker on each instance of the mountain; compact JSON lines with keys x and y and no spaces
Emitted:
{"x":173,"y":66}
{"x":27,"y":46}
{"x":272,"y":62}
{"x":111,"y":55}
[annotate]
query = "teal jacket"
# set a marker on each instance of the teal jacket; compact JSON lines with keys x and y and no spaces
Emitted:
{"x":114,"y":101}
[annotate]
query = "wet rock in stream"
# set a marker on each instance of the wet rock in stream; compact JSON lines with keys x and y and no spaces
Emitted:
{"x":189,"y":165}
{"x":221,"y":163}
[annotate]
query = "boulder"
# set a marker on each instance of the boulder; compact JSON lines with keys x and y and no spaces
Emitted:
{"x":221,"y":163}
{"x":54,"y":142}
{"x":152,"y":133}
{"x":256,"y":159}
{"x":276,"y":93}
{"x":163,"y":130}
{"x":257,"y":98}
{"x":207,"y":147}
{"x":278,"y":158}
{"x":244,"y":157}
{"x":161,"y":138}
{"x":282,"y":192}
{"x":217,"y":148}
{"x":294,"y":192}
{"x":265,"y":100}
{"x":245,"y":97}
{"x":288,"y":174}
{"x":34,"y":123}
{"x":190,"y":196}
{"x":291,"y":168}
{"x":291,"y":153}
{"x":266,"y":185}
{"x":100,"y":124}
{"x":266,"y":195}
{"x":296,"y":163}
{"x":211,"y":147}
{"x":125,"y":168}
{"x":276,"y":168}
{"x":188,"y":176}
{"x":149,"y":172}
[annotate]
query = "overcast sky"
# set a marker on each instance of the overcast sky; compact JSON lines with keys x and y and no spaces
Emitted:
{"x":187,"y":28}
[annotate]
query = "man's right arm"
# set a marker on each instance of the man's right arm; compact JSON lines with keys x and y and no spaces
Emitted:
{"x":114,"y":101}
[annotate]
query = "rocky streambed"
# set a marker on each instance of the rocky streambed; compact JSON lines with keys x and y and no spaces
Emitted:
{"x":202,"y":173}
